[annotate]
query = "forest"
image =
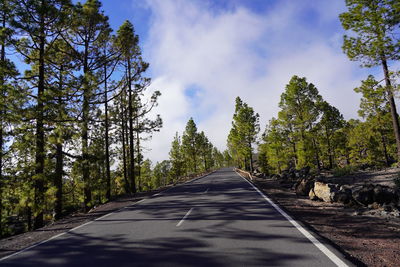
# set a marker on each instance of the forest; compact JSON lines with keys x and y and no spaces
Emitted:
{"x":75,"y":113}
{"x":310,"y":132}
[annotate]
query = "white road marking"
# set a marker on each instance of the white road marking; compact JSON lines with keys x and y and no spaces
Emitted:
{"x":205,"y":192}
{"x":89,"y":222}
{"x":335,"y":259}
{"x":184,"y":217}
{"x":70,"y":230}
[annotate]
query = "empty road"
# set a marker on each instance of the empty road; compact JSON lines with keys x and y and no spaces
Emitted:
{"x":217,"y":220}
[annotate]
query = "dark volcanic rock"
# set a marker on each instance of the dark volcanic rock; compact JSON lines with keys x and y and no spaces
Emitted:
{"x":384,"y":195}
{"x":304,"y":186}
{"x":364,"y":195}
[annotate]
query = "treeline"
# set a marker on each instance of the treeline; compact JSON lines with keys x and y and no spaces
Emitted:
{"x":309,"y":131}
{"x":191,"y":154}
{"x":72,"y":124}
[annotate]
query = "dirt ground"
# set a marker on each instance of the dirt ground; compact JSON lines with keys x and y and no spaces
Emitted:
{"x":15,"y":243}
{"x":383,"y":177}
{"x":365,"y":236}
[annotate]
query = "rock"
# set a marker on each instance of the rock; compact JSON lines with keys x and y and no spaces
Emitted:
{"x":357,"y":213}
{"x":345,"y":187}
{"x":387,"y":207}
{"x":258,"y":175}
{"x":365,"y":195}
{"x":312,"y":195}
{"x":374,"y":206}
{"x":324,"y":191}
{"x":276,"y":177}
{"x":303,"y":188}
{"x":342,"y":197}
{"x":384,"y":195}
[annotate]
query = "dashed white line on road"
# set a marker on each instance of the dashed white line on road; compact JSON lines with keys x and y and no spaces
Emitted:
{"x":184,"y":217}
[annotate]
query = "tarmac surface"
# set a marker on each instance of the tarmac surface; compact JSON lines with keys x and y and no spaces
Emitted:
{"x":216,"y":220}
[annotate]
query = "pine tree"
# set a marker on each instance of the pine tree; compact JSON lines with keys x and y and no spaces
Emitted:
{"x":61,"y":82}
{"x":176,"y":158}
{"x":245,"y":127}
{"x":375,"y":108}
{"x":8,"y":93}
{"x":300,"y":105}
{"x":88,"y":32}
{"x":331,"y":121}
{"x":190,"y":145}
{"x":41,"y":20}
{"x":375,"y":41}
{"x":127,"y":42}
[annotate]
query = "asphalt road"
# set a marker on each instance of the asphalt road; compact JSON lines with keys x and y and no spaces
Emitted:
{"x":217,"y":220}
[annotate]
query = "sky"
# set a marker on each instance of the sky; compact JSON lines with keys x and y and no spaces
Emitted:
{"x":205,"y":53}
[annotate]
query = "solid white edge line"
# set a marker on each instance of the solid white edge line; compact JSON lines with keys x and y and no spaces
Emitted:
{"x":184,"y":217}
{"x":70,"y":230}
{"x":335,"y":259}
{"x":30,"y":247}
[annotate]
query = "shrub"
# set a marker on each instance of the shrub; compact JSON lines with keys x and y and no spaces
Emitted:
{"x":346,"y":170}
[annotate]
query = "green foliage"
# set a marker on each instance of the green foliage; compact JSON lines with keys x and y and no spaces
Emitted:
{"x":195,"y":153}
{"x":347,"y":170}
{"x":374,"y":40}
{"x":375,"y":24}
{"x":58,"y":106}
{"x":177,"y":159}
{"x":190,"y":146}
{"x":243,"y":134}
{"x":300,"y":111}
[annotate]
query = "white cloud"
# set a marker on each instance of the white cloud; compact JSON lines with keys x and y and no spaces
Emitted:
{"x":240,"y":53}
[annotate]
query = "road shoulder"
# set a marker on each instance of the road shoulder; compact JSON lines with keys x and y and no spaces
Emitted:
{"x":366,"y":240}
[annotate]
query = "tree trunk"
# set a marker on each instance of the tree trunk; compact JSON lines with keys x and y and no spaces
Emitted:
{"x":251,"y":158}
{"x":127,"y":186}
{"x":296,"y":162}
{"x":131,"y":141}
{"x":138,"y":153}
{"x":393,"y":111}
{"x":39,"y":154}
{"x":385,"y":149}
{"x":2,"y":95}
{"x":279,"y":163}
{"x":29,"y":217}
{"x":1,"y":169}
{"x":194,"y":160}
{"x":59,"y":160}
{"x":316,"y":154}
{"x":108,"y":173}
{"x":84,"y":136}
{"x":329,"y":149}
{"x":58,"y":180}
